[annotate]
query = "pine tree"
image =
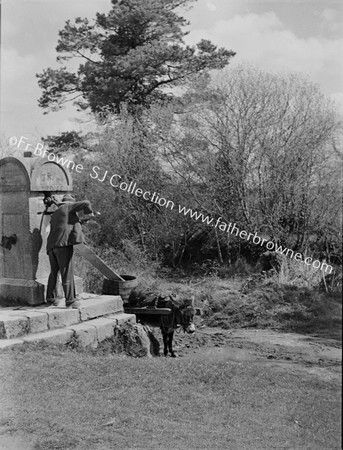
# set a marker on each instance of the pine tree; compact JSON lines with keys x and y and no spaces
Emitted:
{"x":129,"y":56}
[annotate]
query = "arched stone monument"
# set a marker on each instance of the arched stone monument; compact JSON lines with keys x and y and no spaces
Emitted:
{"x":24,"y":264}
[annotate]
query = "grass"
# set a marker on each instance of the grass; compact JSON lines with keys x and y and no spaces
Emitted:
{"x":292,"y":299}
{"x":61,"y":399}
{"x":277,"y":306}
{"x":268,"y":303}
{"x":64,"y":399}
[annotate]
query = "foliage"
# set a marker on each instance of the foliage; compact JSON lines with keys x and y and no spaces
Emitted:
{"x":296,"y":273}
{"x":128,"y":56}
{"x":64,"y":141}
{"x":260,"y":150}
{"x":275,"y":305}
{"x":7,"y":150}
{"x":124,"y":147}
{"x":265,"y":158}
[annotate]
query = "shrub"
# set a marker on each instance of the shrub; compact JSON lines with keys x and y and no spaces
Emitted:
{"x":271,"y":304}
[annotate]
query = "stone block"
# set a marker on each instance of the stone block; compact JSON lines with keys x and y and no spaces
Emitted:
{"x":54,"y":337}
{"x":13,"y":326}
{"x":133,"y":339}
{"x":104,"y":327}
{"x":100,"y":306}
{"x":87,"y":296}
{"x":21,"y":292}
{"x":38,"y":321}
{"x":7,"y":343}
{"x":85,"y":334}
{"x":62,"y":317}
{"x":122,"y":318}
{"x":12,"y":312}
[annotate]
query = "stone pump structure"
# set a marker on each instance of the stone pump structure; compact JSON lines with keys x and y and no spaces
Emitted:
{"x":24,"y":265}
{"x":26,"y":186}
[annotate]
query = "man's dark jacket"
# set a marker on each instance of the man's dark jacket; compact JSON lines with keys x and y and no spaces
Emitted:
{"x":65,"y":226}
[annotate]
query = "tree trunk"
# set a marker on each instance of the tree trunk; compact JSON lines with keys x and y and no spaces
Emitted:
{"x":220,"y":256}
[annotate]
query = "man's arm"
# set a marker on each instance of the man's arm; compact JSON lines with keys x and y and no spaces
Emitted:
{"x":84,"y":206}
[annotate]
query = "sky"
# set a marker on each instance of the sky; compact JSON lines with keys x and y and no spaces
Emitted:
{"x":304,"y":36}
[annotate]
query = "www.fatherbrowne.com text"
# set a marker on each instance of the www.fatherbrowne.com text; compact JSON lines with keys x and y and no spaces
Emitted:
{"x":253,"y":237}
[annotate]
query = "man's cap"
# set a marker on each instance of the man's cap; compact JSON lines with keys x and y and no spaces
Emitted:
{"x":68,"y":198}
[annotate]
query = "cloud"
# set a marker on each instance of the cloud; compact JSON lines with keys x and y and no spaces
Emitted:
{"x":211,"y":6}
{"x":331,"y":21}
{"x":30,"y":33}
{"x":29,"y":37}
{"x":18,"y":79}
{"x":19,"y":97}
{"x":328,"y":15}
{"x":265,"y":41}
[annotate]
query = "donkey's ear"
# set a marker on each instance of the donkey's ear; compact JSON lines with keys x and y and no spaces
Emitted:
{"x":192,"y":300}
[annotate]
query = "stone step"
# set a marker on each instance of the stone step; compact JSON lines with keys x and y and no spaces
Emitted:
{"x":85,"y":334}
{"x":17,"y":322}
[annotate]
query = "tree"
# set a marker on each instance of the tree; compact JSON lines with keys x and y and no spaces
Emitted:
{"x":64,"y":141}
{"x":256,"y":149}
{"x":129,"y":56}
{"x":122,"y":147}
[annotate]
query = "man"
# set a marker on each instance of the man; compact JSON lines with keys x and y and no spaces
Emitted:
{"x":65,"y":232}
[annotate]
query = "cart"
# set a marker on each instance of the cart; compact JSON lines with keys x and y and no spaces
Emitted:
{"x":147,"y":310}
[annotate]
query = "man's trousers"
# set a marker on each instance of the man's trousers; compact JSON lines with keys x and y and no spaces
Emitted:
{"x":61,"y":260}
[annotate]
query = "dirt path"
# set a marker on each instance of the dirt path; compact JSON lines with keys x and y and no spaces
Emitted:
{"x":316,"y":355}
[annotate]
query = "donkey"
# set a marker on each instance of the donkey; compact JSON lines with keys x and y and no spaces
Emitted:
{"x":181,"y":315}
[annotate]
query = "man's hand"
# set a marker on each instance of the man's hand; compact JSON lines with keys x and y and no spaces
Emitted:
{"x":89,"y":218}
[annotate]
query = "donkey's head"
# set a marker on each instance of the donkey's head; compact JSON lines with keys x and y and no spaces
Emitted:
{"x":187,"y":313}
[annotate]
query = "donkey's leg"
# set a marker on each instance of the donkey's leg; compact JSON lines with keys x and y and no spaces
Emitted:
{"x":171,"y":336}
{"x":165,"y":343}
